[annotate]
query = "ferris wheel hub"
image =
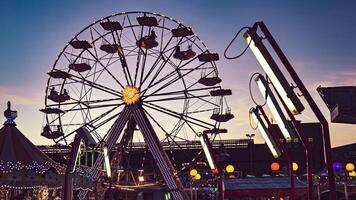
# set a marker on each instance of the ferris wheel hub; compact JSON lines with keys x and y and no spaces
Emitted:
{"x":131,"y":95}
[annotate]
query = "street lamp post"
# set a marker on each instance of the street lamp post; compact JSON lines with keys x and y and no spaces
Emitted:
{"x":251,"y":144}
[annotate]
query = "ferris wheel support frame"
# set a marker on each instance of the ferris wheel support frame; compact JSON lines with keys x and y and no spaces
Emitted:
{"x":163,"y":162}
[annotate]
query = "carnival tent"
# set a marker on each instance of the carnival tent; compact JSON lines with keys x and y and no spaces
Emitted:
{"x":22,"y":164}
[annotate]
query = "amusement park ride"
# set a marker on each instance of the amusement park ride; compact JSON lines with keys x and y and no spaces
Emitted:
{"x":143,"y":71}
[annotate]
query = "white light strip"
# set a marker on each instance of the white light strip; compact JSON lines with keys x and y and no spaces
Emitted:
{"x":265,"y":134}
{"x":76,"y":157}
{"x":207,"y":153}
{"x":107,"y":161}
{"x":266,"y":67}
{"x":275,"y":108}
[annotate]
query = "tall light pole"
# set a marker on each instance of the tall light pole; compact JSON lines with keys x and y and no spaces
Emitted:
{"x":251,"y":144}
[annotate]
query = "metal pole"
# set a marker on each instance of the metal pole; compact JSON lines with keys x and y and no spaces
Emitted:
{"x":110,"y":188}
{"x":251,"y":144}
{"x":313,"y":106}
{"x":346,"y":192}
{"x":305,"y":143}
{"x":221,"y":185}
{"x":191,"y":188}
{"x":284,"y":150}
{"x":319,"y":191}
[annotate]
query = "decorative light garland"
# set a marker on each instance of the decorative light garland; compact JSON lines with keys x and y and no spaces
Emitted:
{"x":39,"y":168}
{"x":28,"y":187}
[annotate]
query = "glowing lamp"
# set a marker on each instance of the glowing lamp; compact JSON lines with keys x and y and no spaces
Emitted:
{"x":204,"y":140}
{"x":230,"y":168}
{"x":107,"y":161}
{"x":273,"y":72}
{"x":350,"y":167}
{"x":275,"y":166}
{"x":275,"y":108}
{"x":352,"y":174}
{"x":193,"y":172}
{"x":294,"y":166}
{"x":265,"y":133}
{"x":141,"y":178}
{"x":197,"y":177}
{"x":337,"y":166}
{"x":130,"y":95}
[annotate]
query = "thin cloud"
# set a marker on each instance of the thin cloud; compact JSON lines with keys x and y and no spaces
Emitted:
{"x":20,"y":95}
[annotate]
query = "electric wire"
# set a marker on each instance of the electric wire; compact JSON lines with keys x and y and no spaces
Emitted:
{"x":232,"y":41}
{"x":250,"y":91}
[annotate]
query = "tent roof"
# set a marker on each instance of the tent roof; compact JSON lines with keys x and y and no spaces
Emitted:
{"x":261,"y":183}
{"x":15,"y":147}
{"x":262,"y":187}
{"x":18,"y":153}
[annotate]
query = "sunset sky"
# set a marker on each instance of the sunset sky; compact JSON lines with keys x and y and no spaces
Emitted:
{"x":318,"y":38}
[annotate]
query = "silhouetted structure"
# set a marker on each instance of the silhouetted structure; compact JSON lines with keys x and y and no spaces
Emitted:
{"x":341,"y":102}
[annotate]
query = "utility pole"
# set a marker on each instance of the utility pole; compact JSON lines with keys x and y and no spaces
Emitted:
{"x":250,"y":145}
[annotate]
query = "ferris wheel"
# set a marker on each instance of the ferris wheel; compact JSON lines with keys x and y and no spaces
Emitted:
{"x":132,"y":69}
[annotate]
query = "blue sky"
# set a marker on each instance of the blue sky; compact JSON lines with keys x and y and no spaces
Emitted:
{"x":317,"y":36}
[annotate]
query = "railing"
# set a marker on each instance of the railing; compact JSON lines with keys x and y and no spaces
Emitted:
{"x":240,"y":143}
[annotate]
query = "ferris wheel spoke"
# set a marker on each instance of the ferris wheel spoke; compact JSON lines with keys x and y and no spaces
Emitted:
{"x":178,"y":115}
{"x":122,"y":57}
{"x":85,"y":103}
{"x":138,"y":59}
{"x":91,"y":107}
{"x":206,"y":101}
{"x":161,"y":43}
{"x":166,"y":132}
{"x":175,"y":79}
{"x":92,"y":122}
{"x":105,"y":68}
{"x":77,"y":56}
{"x":92,"y":39}
{"x":200,"y":111}
{"x":94,"y":85}
{"x":169,"y":75}
{"x":183,"y":41}
{"x":182,"y":91}
{"x":156,"y":61}
{"x":143,"y":62}
{"x":96,"y":119}
{"x":165,"y":60}
{"x":177,"y":98}
{"x":131,"y":26}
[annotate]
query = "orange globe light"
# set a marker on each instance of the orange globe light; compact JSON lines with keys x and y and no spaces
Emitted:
{"x":275,"y":166}
{"x":197,"y":177}
{"x":230,"y":168}
{"x":350,"y":167}
{"x":295,"y":166}
{"x":193,"y":172}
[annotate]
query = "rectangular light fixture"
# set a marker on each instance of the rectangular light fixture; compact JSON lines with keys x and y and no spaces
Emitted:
{"x":265,"y":133}
{"x":107,"y":161}
{"x":273,"y":72}
{"x":76,"y":156}
{"x":204,"y":143}
{"x":75,"y":151}
{"x":275,"y":109}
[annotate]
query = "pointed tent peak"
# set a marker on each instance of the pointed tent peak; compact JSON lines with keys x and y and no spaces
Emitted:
{"x":10,"y":115}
